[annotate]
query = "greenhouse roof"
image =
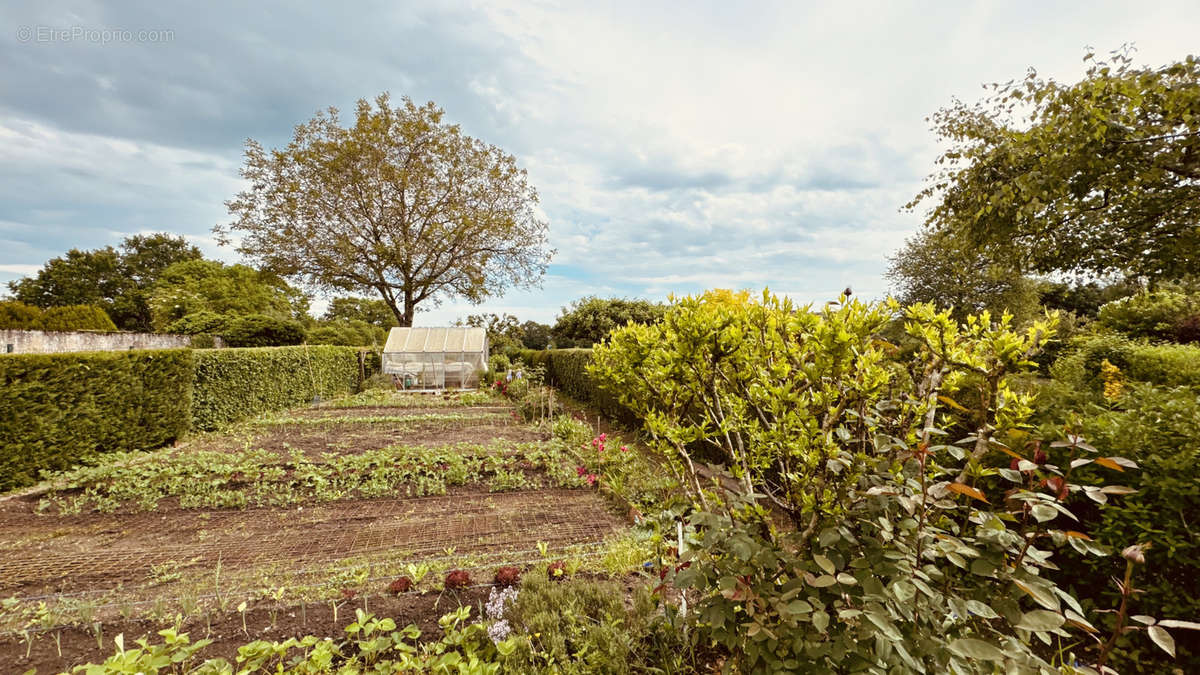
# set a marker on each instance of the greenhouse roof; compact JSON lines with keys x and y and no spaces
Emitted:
{"x":436,"y":340}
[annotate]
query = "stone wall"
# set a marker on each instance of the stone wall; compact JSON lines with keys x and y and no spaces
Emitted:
{"x":52,"y":342}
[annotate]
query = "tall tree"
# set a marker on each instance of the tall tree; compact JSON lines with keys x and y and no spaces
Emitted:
{"x":401,"y":204}
{"x":116,"y":281}
{"x":209,"y":286}
{"x":371,"y":310}
{"x":937,"y":267}
{"x":588,"y":320}
{"x":1095,"y":177}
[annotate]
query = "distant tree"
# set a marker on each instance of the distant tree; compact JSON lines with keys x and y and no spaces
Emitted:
{"x":372,"y":311}
{"x":352,"y":333}
{"x":16,"y":315}
{"x":260,"y":330}
{"x":116,"y":281}
{"x":535,"y":335}
{"x":1095,"y":177}
{"x":401,"y":204}
{"x":77,"y":317}
{"x":202,"y":322}
{"x":231,"y":290}
{"x":503,"y":331}
{"x":588,"y":320}
{"x":1084,"y":299}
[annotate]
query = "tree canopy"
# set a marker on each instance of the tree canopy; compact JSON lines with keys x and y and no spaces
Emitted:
{"x":938,"y":268}
{"x":1095,"y":177}
{"x":401,"y":204}
{"x":371,"y":310}
{"x":232,"y":290}
{"x":117,"y":281}
{"x":588,"y":320}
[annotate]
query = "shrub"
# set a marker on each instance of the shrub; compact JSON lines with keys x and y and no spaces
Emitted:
{"x":57,"y":410}
{"x":260,"y":330}
{"x":1163,"y":364}
{"x":77,"y":317}
{"x":352,"y":333}
{"x":1159,"y":428}
{"x":203,"y":322}
{"x":588,"y":320}
{"x":1164,"y":314}
{"x":16,"y":315}
{"x":844,"y":529}
{"x":233,"y":384}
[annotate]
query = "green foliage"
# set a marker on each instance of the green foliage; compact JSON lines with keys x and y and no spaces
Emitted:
{"x":1084,"y":300}
{"x":1159,"y":428}
{"x":940,"y":268}
{"x":57,"y":410}
{"x":352,"y":333}
{"x":1161,"y":364}
{"x":400,"y":203}
{"x":16,"y":315}
{"x":1165,"y":314}
{"x":260,"y":330}
{"x":202,"y":322}
{"x":116,"y":281}
{"x":567,"y":369}
{"x":584,"y":626}
{"x":371,"y":310}
{"x":901,"y":550}
{"x":1096,"y":176}
{"x":232,"y":290}
{"x":588,"y":320}
{"x":233,"y":384}
{"x":77,"y":317}
{"x":535,"y":335}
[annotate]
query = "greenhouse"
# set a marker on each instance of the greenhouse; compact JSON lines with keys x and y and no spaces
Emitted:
{"x":432,"y":359}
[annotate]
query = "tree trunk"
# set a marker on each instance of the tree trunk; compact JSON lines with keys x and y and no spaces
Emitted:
{"x":409,"y":309}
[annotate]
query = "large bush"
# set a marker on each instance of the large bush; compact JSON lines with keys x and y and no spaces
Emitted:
{"x":845,"y":529}
{"x":260,"y":330}
{"x":16,"y":315}
{"x":202,"y":322}
{"x":1162,"y":364}
{"x":233,"y":384}
{"x":588,"y":320}
{"x":77,"y":317}
{"x":1166,"y":314}
{"x":352,"y":333}
{"x":57,"y":410}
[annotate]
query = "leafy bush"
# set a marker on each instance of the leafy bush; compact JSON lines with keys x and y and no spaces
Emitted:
{"x":260,"y":330}
{"x":841,"y":531}
{"x":1159,"y":428}
{"x":57,"y":410}
{"x":353,"y":333}
{"x":588,"y":320}
{"x":16,"y":315}
{"x":77,"y":317}
{"x":1165,"y":314}
{"x":583,"y":626}
{"x":200,"y":323}
{"x":1162,"y":364}
{"x":233,"y":384}
{"x":566,"y":369}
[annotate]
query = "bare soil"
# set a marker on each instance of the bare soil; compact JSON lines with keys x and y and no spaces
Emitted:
{"x":121,"y":557}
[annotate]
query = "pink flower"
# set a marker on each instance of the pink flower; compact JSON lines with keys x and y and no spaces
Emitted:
{"x":591,"y":479}
{"x":603,"y":437}
{"x":624,"y":448}
{"x":581,"y":470}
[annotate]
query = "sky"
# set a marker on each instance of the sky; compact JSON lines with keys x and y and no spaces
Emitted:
{"x":675,"y":146}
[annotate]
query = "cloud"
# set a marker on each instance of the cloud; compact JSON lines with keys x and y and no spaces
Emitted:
{"x":672,"y":150}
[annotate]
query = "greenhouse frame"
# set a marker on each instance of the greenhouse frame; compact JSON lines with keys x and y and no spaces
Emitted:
{"x":433,"y":359}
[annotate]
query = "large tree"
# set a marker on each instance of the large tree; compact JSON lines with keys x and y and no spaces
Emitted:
{"x":401,"y":204}
{"x":1094,"y":177}
{"x":116,"y":280}
{"x":939,"y":268}
{"x":211,"y":287}
{"x":371,"y":310}
{"x":589,"y":320}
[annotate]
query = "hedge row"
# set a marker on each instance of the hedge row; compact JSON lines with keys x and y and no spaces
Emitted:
{"x":58,"y":410}
{"x":566,"y":369}
{"x":1169,"y":365}
{"x":233,"y":384}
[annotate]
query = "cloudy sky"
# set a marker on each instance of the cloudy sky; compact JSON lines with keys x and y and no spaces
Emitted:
{"x":675,"y":146}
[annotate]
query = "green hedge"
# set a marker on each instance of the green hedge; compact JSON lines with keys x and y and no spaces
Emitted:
{"x":1169,"y":365}
{"x":567,"y":370}
{"x":232,"y":384}
{"x":59,"y":409}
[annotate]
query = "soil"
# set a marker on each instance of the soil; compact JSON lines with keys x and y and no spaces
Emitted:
{"x":118,"y":558}
{"x":80,"y":645}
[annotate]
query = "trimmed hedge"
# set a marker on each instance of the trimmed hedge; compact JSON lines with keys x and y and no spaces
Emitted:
{"x":567,"y":370}
{"x":232,"y":384}
{"x":57,"y":410}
